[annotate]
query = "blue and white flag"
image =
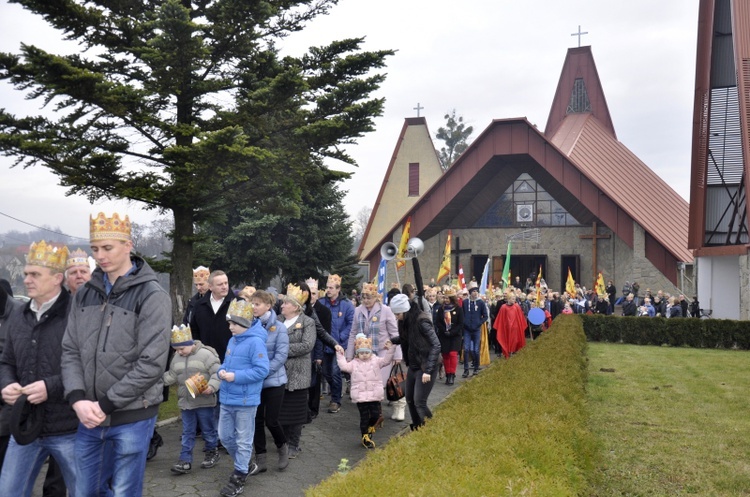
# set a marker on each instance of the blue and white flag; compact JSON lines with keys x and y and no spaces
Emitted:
{"x":485,"y":275}
{"x":381,"y":280}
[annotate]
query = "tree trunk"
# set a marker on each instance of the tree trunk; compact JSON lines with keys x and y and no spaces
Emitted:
{"x":181,"y":278}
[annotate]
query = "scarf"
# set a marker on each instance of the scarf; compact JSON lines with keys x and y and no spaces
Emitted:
{"x":370,"y":326}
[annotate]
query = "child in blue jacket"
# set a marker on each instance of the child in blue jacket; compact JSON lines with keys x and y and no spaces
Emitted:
{"x":242,"y":373}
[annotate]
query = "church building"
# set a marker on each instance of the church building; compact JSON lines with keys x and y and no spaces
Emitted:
{"x":569,"y":198}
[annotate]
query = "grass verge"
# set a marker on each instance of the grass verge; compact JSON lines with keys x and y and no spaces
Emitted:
{"x":670,"y":421}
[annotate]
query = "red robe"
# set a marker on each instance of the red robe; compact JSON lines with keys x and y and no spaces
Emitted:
{"x":511,"y":328}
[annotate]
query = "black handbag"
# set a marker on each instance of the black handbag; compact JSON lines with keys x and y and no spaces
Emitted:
{"x":394,"y":387}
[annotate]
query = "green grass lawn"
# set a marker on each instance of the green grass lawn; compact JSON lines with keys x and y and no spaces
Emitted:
{"x":168,"y":408}
{"x":670,"y":421}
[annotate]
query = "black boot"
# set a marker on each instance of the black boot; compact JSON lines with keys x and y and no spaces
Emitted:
{"x":453,"y":378}
{"x":156,"y":442}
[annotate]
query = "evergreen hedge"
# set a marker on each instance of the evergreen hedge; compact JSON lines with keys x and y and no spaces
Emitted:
{"x":677,"y":332}
{"x":519,"y":428}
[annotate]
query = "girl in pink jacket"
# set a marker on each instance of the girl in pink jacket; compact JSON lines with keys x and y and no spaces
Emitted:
{"x":366,"y":384}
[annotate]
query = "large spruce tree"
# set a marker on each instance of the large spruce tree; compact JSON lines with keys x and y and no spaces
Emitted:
{"x":188,"y":106}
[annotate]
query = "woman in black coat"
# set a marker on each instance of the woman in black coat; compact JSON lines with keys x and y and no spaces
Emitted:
{"x":449,"y":326}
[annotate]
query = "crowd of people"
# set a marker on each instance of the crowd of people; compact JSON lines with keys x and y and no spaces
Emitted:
{"x":86,"y":362}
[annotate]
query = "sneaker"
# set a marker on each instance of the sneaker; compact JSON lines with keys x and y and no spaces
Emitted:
{"x":210,"y":459}
{"x":466,"y":374}
{"x":476,"y":372}
{"x":334,"y":407}
{"x":181,"y":468}
{"x":234,"y":487}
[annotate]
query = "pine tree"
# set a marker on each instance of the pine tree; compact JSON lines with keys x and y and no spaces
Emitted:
{"x":455,"y":135}
{"x":188,"y":107}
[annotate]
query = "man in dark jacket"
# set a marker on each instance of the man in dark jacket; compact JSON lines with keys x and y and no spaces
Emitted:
{"x":629,"y":307}
{"x":30,"y":375}
{"x":200,"y":280}
{"x":115,"y":351}
{"x":209,"y":322}
{"x":475,"y":315}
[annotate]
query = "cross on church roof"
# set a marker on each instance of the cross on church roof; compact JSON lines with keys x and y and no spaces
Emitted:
{"x":418,"y":108}
{"x":579,"y":34}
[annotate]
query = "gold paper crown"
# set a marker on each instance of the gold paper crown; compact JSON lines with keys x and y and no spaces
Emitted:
{"x":240,"y":309}
{"x":201,"y":273}
{"x":312,"y":283}
{"x":247,"y":292}
{"x":450,"y":292}
{"x":41,"y":254}
{"x":362,"y":342}
{"x":181,"y":334}
{"x":370,"y":288}
{"x":334,"y":279}
{"x":114,"y":228}
{"x":297,"y":294}
{"x":77,"y":258}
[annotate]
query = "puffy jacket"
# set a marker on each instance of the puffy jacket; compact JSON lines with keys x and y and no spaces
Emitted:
{"x":116,"y":346}
{"x":247,"y":358}
{"x":419,"y":344}
{"x":10,"y":305}
{"x":32,"y":352}
{"x":277,"y":344}
{"x":203,"y":359}
{"x":342,"y":314}
{"x":367,"y":383}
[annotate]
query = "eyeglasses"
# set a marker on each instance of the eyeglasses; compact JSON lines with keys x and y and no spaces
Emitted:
{"x":367,"y":296}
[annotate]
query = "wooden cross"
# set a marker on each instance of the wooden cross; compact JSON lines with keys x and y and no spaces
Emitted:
{"x":457,"y":251}
{"x":579,"y":34}
{"x":418,"y":108}
{"x":594,"y":237}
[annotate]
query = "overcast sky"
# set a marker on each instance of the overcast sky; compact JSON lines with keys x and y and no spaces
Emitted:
{"x":488,"y":59}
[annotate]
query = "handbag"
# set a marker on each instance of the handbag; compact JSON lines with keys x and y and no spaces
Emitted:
{"x":394,"y":387}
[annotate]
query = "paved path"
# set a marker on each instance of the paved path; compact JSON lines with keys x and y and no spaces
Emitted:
{"x":325,"y":441}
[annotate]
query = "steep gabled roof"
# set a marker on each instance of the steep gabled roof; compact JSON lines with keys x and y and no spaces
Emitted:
{"x":414,"y":145}
{"x":626,"y":180}
{"x":510,"y":147}
{"x":579,"y":90}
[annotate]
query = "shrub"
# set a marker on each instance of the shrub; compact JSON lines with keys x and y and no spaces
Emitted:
{"x":519,"y":428}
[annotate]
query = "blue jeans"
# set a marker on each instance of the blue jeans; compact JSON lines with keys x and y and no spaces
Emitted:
{"x":113,"y":456}
{"x":236,"y":430}
{"x":332,"y":374}
{"x":471,"y":347}
{"x":203,"y":417}
{"x":23,"y":463}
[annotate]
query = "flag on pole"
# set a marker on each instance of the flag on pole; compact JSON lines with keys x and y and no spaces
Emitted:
{"x":381,"y":281}
{"x":461,"y":280}
{"x":485,"y":276}
{"x":445,"y":266}
{"x":506,"y":268}
{"x":570,"y":285}
{"x":402,"y":246}
{"x":600,"y":288}
{"x":539,"y":285}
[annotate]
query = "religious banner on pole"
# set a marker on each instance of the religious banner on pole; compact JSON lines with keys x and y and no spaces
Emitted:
{"x":601,"y":290}
{"x":402,"y":246}
{"x":539,"y":285}
{"x":570,"y":285}
{"x":485,"y":276}
{"x":381,"y":281}
{"x":506,"y":269}
{"x":445,"y":266}
{"x":461,"y":280}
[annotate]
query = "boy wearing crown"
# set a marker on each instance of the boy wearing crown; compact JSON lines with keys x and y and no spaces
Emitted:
{"x":114,"y":354}
{"x":30,"y":376}
{"x":198,"y":363}
{"x":242,"y":373}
